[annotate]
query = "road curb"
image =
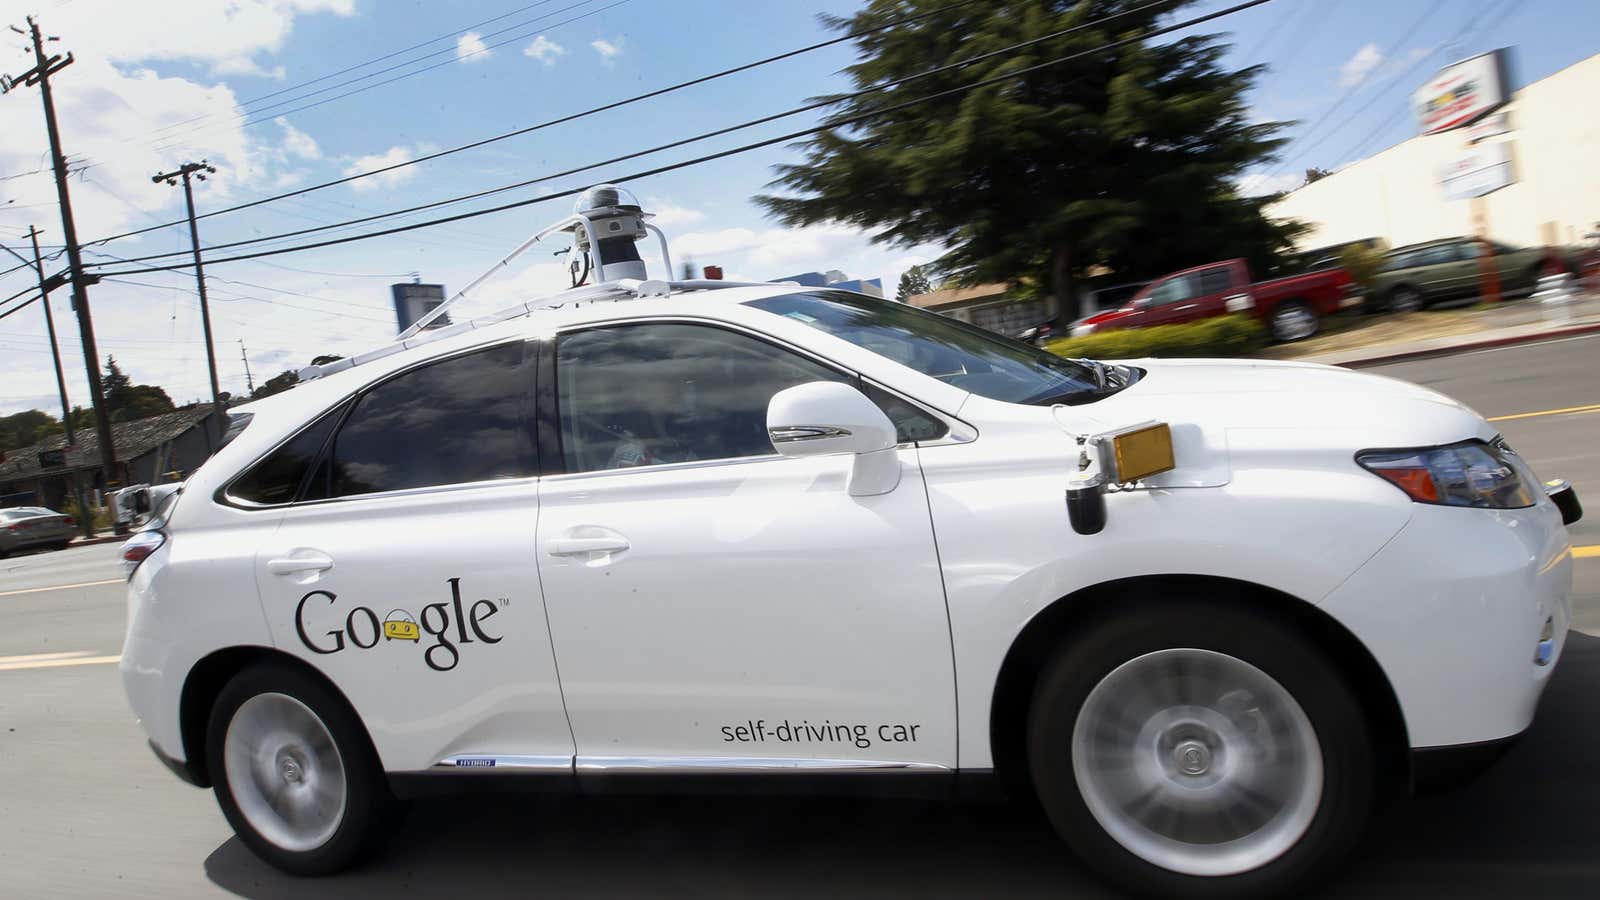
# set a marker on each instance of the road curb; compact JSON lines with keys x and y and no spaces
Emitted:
{"x":99,"y":539}
{"x":1484,"y":344}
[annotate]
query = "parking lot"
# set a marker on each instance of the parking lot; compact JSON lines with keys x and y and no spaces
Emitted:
{"x":85,"y":811}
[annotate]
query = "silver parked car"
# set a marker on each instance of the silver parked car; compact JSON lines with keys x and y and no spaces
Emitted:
{"x":34,"y":526}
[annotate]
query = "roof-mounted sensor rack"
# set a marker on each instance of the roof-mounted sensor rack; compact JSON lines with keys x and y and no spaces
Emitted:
{"x":605,"y":225}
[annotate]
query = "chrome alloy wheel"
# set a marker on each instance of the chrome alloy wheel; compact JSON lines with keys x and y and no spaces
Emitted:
{"x":1294,"y":323}
{"x":1197,"y":762}
{"x":284,"y":771}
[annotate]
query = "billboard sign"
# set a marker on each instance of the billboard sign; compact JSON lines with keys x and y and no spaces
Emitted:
{"x":1481,"y":170}
{"x":413,"y":301}
{"x":1461,"y":93}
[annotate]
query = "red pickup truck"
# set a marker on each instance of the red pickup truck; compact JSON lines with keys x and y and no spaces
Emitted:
{"x":1289,"y":306}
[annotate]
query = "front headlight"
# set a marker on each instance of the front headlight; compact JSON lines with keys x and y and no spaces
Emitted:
{"x":1083,"y":329}
{"x":1470,"y":473}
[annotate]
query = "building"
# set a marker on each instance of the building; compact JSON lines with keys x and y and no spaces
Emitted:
{"x":836,"y":279}
{"x":1524,"y":173}
{"x":148,"y":450}
{"x":985,"y":305}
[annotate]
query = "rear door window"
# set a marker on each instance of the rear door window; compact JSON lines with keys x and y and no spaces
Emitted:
{"x":1215,"y":281}
{"x":461,"y":420}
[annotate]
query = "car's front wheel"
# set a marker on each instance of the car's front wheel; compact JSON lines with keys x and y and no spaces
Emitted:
{"x":294,"y":772}
{"x":1201,"y":751}
{"x":1293,"y":321}
{"x":1405,"y":299}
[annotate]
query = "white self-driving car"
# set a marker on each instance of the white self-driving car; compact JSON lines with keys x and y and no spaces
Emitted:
{"x":783,"y":538}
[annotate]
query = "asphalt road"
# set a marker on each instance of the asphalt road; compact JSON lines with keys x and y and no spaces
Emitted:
{"x":85,"y":811}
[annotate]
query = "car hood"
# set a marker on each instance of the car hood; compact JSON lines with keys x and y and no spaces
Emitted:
{"x":1261,"y":412}
{"x":1269,"y":394}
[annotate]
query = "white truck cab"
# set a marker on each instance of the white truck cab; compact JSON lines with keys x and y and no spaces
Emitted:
{"x":786,"y":538}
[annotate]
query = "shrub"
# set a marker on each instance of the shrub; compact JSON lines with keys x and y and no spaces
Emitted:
{"x":1361,"y":262}
{"x":1236,"y":335}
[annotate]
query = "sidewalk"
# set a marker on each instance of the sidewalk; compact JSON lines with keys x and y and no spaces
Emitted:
{"x":1383,"y":338}
{"x":103,"y":536}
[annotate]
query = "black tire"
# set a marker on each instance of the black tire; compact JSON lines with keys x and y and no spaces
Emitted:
{"x":1311,"y":680}
{"x":1293,"y":320}
{"x":369,"y":807}
{"x":1406,"y":298}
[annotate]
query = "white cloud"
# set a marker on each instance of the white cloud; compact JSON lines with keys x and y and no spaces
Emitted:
{"x":1358,"y":67}
{"x":544,"y":50}
{"x":296,"y":142}
{"x":244,"y":65}
{"x":1259,"y":184}
{"x":671,"y":215}
{"x":608,"y":50}
{"x":396,"y":154}
{"x":209,"y":32}
{"x":471,"y":48}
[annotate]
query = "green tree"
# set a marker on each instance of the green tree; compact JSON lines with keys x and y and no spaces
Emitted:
{"x":277,"y":384}
{"x":26,"y":428}
{"x":912,"y":282}
{"x":1124,"y":158}
{"x":126,"y":401}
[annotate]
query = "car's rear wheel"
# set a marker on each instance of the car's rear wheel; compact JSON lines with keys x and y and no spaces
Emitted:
{"x":294,"y":772}
{"x":1294,"y":321}
{"x":1201,"y":751}
{"x":1405,"y":299}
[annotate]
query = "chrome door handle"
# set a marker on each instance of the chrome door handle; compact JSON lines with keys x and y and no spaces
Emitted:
{"x":579,"y":546}
{"x":304,"y":561}
{"x":1187,"y":306}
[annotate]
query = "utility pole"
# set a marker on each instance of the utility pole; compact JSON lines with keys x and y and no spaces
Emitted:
{"x":46,"y":285}
{"x":50,"y":326}
{"x":40,"y":74}
{"x":85,"y":520}
{"x":250,"y":383}
{"x":186,"y":172}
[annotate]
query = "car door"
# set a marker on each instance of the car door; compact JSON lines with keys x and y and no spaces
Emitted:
{"x":1466,"y":270}
{"x":1170,"y":300}
{"x":405,"y":567}
{"x":1438,"y":271}
{"x":1213,"y":287}
{"x":715,"y":605}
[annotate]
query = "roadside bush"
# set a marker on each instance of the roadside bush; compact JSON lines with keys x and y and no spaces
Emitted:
{"x":1361,"y":262}
{"x":1236,"y":335}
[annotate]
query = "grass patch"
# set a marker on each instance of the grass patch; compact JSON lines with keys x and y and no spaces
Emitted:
{"x":1236,"y":335}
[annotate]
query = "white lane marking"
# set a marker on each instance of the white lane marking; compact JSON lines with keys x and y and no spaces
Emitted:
{"x":55,"y":663}
{"x":61,"y":587}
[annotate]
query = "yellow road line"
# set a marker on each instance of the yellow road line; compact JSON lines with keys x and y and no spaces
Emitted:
{"x":1589,"y":552}
{"x":61,"y":587}
{"x":1593,"y":407}
{"x":30,"y":657}
{"x":55,"y":663}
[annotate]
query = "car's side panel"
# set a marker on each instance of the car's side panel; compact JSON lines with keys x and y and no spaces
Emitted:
{"x":756,"y":613}
{"x":193,"y":596}
{"x":1297,"y":533}
{"x":430,"y":619}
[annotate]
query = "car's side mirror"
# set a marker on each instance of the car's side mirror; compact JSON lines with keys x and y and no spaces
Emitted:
{"x":827,"y":417}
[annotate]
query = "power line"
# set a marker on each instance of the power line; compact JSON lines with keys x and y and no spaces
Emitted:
{"x":827,"y":126}
{"x":401,"y":76}
{"x":562,"y":120}
{"x":818,"y":104}
{"x":1360,"y":146}
{"x":1470,"y":25}
{"x":1356,"y":88}
{"x":361,"y":65}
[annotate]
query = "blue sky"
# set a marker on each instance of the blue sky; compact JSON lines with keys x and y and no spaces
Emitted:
{"x":139,"y":77}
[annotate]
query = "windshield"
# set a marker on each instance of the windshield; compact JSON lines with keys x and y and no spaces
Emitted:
{"x":954,"y":352}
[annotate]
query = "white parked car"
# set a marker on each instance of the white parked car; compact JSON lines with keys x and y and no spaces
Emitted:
{"x":784,"y":538}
